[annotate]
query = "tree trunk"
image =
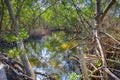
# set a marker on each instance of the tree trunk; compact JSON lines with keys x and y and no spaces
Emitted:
{"x":83,"y":63}
{"x":25,"y":61}
{"x":20,"y":44}
{"x":96,"y":35}
{"x":98,"y":19}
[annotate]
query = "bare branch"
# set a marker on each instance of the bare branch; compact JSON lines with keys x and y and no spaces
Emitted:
{"x":110,"y":73}
{"x":111,"y":37}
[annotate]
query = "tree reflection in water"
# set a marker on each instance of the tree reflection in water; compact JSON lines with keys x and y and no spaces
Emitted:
{"x":58,"y":65}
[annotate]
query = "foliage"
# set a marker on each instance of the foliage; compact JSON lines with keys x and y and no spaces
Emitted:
{"x":14,"y":53}
{"x":10,"y":38}
{"x":98,"y":63}
{"x":74,"y":76}
{"x":21,"y":35}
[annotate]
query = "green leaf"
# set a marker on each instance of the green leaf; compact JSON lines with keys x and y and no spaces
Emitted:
{"x":74,"y":76}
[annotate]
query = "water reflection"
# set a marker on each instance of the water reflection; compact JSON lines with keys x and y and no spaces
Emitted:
{"x":58,"y":65}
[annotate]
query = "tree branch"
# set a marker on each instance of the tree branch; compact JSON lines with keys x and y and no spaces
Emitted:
{"x":106,"y":9}
{"x":110,"y":73}
{"x":20,"y":44}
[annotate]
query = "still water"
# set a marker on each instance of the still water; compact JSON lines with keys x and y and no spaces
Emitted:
{"x":56,"y":64}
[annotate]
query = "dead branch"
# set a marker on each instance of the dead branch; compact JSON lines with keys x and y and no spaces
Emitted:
{"x":110,"y":73}
{"x":14,"y":66}
{"x":114,"y":70}
{"x":110,"y":36}
{"x":94,"y":76}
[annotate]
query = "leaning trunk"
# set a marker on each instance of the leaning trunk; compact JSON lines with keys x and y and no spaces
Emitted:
{"x":20,"y":44}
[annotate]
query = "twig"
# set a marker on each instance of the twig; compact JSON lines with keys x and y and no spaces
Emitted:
{"x":20,"y":74}
{"x":111,"y":37}
{"x":45,"y":75}
{"x":97,"y":69}
{"x":40,"y":73}
{"x":114,"y":61}
{"x":93,"y":66}
{"x":112,"y":46}
{"x":94,"y":76}
{"x":114,"y":70}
